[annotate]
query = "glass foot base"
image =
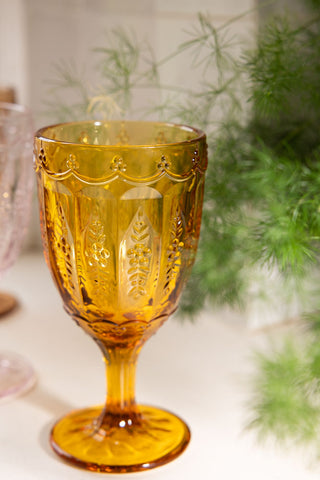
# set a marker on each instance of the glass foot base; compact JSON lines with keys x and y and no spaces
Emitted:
{"x":16,"y":376}
{"x":156,"y":439}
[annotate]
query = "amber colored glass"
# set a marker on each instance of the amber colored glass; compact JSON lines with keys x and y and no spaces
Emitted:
{"x":120,"y":210}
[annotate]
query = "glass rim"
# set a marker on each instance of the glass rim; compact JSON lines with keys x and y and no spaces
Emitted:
{"x":200,"y":134}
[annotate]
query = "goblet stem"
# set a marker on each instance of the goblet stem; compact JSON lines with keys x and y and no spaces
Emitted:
{"x":120,"y":408}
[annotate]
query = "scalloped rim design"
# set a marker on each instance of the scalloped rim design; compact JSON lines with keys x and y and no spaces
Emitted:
{"x":118,"y":168}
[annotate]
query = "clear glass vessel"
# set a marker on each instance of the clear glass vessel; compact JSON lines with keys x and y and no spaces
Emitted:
{"x":16,"y":182}
{"x":120,"y":210}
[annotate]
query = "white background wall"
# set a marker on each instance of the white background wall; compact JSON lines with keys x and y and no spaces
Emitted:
{"x":36,"y":34}
{"x":14,"y":52}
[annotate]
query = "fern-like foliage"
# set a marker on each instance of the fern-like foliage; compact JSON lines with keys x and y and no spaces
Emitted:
{"x":286,"y":399}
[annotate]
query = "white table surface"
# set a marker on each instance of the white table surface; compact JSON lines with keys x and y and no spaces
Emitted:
{"x":200,"y":371}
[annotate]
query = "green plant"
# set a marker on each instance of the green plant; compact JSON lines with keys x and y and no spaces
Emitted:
{"x":286,"y":388}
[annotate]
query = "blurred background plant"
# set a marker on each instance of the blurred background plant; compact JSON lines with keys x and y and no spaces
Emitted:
{"x":260,"y":108}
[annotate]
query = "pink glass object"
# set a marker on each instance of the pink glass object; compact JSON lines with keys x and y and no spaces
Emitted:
{"x":16,"y":180}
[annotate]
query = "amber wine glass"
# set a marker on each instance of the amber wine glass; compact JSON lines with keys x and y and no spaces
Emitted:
{"x":120,"y":211}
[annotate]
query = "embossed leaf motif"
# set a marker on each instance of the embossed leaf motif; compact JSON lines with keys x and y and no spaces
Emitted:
{"x":96,"y":252}
{"x":174,"y":249}
{"x":191,"y":234}
{"x":57,"y":226}
{"x":139,"y":255}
